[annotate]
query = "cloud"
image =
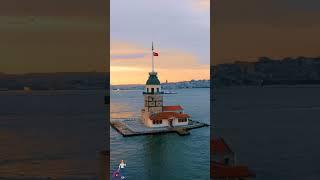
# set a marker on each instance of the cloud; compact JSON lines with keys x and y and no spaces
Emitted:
{"x":126,"y":69}
{"x":181,"y":35}
{"x":125,"y":48}
{"x":51,"y":44}
{"x":128,"y":56}
{"x":203,"y":5}
{"x":85,"y":8}
{"x":169,"y":23}
{"x":248,"y":29}
{"x":171,"y":64}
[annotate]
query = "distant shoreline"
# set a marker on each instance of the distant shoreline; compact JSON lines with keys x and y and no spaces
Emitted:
{"x":113,"y":89}
{"x":53,"y":90}
{"x":266,"y":71}
{"x":273,"y":86}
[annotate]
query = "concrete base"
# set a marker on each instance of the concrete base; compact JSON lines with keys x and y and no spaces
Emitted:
{"x":134,"y":127}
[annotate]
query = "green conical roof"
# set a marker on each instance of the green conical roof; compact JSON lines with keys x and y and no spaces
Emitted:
{"x":153,"y":79}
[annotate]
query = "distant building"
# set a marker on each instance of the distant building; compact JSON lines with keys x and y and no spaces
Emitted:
{"x":246,"y":67}
{"x":223,"y":163}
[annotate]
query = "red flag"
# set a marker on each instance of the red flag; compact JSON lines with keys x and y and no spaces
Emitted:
{"x":155,"y":54}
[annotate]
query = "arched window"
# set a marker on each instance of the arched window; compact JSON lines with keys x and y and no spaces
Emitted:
{"x":157,"y":89}
{"x":152,"y":90}
{"x":147,"y":89}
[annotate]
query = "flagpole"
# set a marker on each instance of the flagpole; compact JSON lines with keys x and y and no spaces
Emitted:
{"x":152,"y":58}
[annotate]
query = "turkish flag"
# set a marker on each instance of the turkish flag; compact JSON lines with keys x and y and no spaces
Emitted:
{"x":155,"y":54}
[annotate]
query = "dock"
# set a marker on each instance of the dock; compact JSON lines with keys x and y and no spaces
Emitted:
{"x":134,"y":127}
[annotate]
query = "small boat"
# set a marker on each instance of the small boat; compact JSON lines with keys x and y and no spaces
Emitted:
{"x":169,"y":92}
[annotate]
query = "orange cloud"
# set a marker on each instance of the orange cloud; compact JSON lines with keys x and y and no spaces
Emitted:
{"x":123,"y":48}
{"x":171,"y":65}
{"x":47,"y":44}
{"x":201,"y":4}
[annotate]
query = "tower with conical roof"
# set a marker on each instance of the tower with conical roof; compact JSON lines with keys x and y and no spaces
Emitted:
{"x":154,"y":114}
{"x":153,"y":96}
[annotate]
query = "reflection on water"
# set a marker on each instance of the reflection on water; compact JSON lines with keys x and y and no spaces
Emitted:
{"x":51,"y":133}
{"x":167,"y":156}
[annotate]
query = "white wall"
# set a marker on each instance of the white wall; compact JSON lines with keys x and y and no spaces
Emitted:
{"x":149,"y":123}
{"x":177,"y":123}
{"x":165,"y":123}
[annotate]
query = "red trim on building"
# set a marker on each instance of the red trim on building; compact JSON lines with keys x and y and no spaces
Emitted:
{"x":223,"y":171}
{"x":168,"y":115}
{"x":172,"y":108}
{"x":219,"y":146}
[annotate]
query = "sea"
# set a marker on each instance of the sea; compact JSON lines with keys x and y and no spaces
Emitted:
{"x":52,"y":134}
{"x":58,"y":134}
{"x":273,"y":130}
{"x":165,"y":156}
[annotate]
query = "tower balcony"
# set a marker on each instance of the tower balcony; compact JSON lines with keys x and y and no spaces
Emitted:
{"x":161,"y":92}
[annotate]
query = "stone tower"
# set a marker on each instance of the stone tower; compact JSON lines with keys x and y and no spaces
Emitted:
{"x":153,"y":96}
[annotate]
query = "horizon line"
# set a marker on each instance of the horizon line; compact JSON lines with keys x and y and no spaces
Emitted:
{"x":160,"y":83}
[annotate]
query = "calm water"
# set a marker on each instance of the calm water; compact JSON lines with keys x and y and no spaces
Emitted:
{"x":167,"y":156}
{"x":51,"y":133}
{"x":273,"y":130}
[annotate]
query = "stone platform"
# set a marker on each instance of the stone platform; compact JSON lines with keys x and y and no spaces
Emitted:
{"x":134,"y":127}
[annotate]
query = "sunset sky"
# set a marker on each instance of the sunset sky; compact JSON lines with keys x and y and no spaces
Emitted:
{"x":70,"y":35}
{"x":180,"y":30}
{"x":53,"y":36}
{"x":247,"y":29}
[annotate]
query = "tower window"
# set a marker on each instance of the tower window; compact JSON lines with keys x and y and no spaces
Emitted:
{"x":152,"y":90}
{"x":147,"y":89}
{"x":226,"y":161}
{"x":157,"y":89}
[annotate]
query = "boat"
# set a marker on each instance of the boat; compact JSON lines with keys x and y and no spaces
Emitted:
{"x":169,"y":92}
